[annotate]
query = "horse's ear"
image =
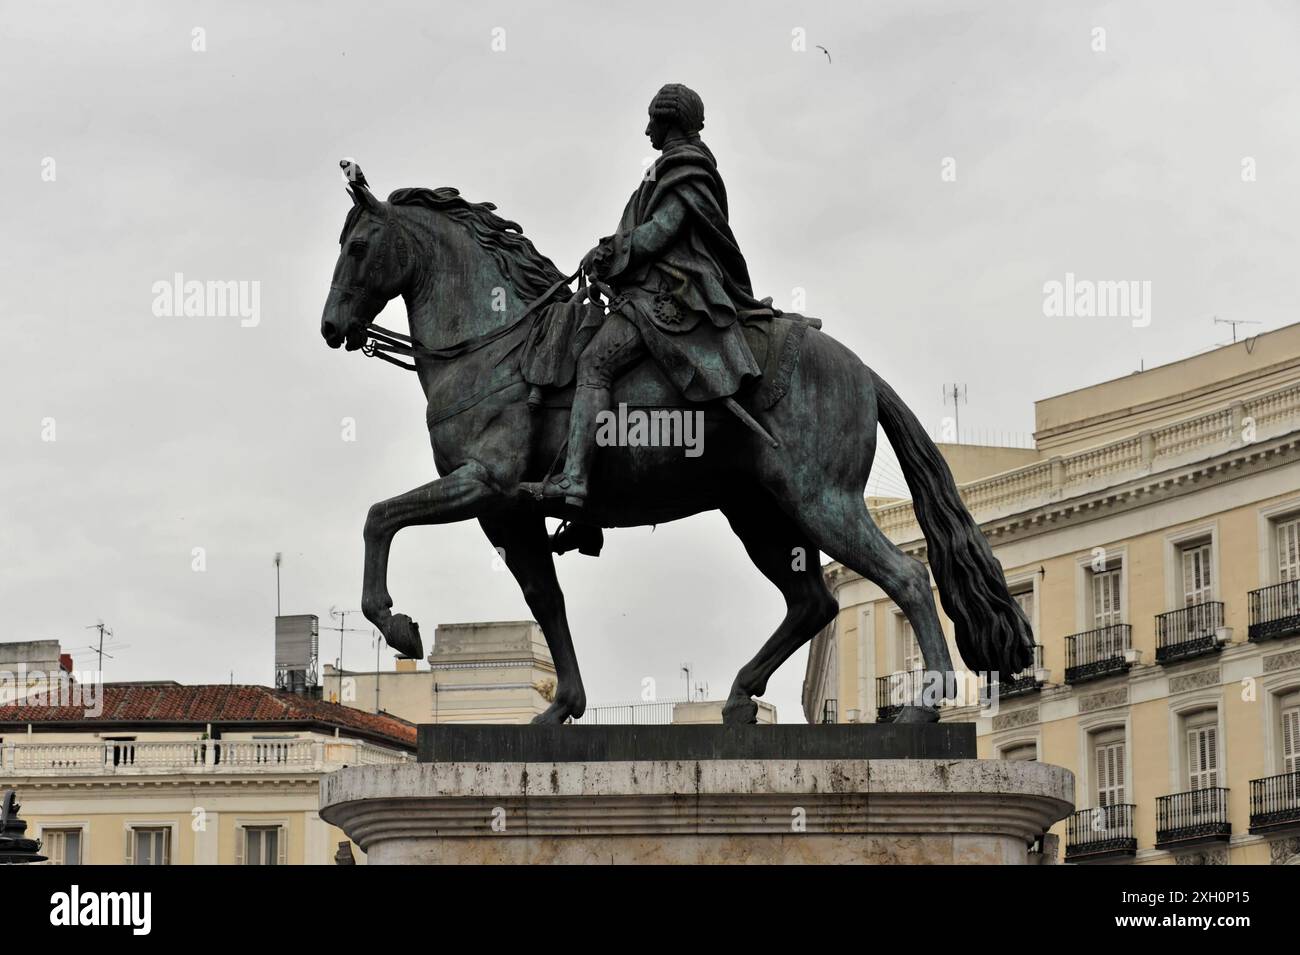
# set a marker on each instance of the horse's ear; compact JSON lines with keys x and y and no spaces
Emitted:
{"x":358,"y":188}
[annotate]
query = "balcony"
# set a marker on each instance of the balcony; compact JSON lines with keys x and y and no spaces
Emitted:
{"x":1192,"y":818}
{"x":135,"y":758}
{"x":1275,"y":802}
{"x":1275,"y":612}
{"x":1028,"y":680}
{"x":895,"y":691}
{"x":1101,"y":835}
{"x":1098,"y":653}
{"x":1189,"y":632}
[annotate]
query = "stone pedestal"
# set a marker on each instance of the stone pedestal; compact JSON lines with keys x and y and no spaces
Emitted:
{"x":765,"y":805}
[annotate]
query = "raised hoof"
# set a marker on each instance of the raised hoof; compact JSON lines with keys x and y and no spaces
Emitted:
{"x":740,"y":713}
{"x":403,"y":635}
{"x":917,"y":714}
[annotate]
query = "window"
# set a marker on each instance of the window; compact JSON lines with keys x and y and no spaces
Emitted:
{"x":62,"y":846}
{"x":149,"y":846}
{"x":260,"y":845}
{"x":1197,"y":585}
{"x":909,"y":651}
{"x":1203,"y":752}
{"x":1291,"y":734}
{"x":1025,"y":598}
{"x":1109,"y":759}
{"x":1288,"y":550}
{"x":1021,"y":753}
{"x":1106,"y":605}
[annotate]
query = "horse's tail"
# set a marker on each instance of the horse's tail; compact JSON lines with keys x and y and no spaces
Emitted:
{"x":992,"y":631}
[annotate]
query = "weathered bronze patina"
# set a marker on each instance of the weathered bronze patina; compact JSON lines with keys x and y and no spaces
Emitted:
{"x":517,"y":366}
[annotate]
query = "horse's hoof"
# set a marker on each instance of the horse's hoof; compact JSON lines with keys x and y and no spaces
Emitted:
{"x":740,"y":713}
{"x":917,"y":714}
{"x":403,"y":635}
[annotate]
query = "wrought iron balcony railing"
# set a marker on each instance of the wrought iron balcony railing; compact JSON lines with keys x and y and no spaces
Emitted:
{"x":1188,"y":632}
{"x":1275,"y":802}
{"x":1097,"y":653}
{"x":897,"y":690}
{"x":1026,"y":681}
{"x":1194,"y":817}
{"x":1275,"y":611}
{"x":1102,"y":833}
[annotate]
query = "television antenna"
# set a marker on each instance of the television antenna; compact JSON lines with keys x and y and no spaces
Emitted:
{"x":1234,"y":322}
{"x":342,"y":628}
{"x":104,"y":631}
{"x":957,"y":394}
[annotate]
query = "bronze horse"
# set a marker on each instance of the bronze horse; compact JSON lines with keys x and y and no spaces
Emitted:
{"x":467,"y":276}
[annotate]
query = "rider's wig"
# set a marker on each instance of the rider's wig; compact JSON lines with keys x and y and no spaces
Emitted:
{"x":679,"y":106}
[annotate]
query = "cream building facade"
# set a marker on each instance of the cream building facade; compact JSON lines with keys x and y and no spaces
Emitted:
{"x":1153,"y":539}
{"x":490,"y":672}
{"x":164,"y":774}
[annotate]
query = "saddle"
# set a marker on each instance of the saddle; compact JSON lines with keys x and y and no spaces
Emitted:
{"x":550,"y":354}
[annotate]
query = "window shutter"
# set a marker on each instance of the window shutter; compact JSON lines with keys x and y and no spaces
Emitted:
{"x":241,"y":837}
{"x":1212,"y":755}
{"x":130,"y":846}
{"x":1110,"y":774}
{"x":282,"y":846}
{"x":1026,"y":600}
{"x":1196,"y":575}
{"x":1105,"y":598}
{"x":910,"y":650}
{"x":1288,"y":551}
{"x":1202,"y":757}
{"x":1291,"y":739}
{"x":167,"y":847}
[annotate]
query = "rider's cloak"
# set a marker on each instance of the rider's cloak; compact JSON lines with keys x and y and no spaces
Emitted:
{"x":680,"y":276}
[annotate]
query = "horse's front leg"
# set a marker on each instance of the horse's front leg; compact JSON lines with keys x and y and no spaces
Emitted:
{"x":464,"y":493}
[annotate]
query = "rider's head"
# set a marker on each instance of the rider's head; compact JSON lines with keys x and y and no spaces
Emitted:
{"x":676,"y":111}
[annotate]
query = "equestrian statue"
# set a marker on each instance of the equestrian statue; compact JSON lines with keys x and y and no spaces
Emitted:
{"x":723,"y":403}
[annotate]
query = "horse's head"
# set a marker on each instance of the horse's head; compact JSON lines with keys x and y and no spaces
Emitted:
{"x":372,"y":268}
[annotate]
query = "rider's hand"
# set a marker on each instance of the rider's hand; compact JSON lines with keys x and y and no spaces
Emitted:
{"x":594,"y":261}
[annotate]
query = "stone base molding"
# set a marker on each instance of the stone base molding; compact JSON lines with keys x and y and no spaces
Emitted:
{"x":700,"y":811}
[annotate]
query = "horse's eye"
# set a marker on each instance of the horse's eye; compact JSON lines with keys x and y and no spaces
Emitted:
{"x":357,"y":249}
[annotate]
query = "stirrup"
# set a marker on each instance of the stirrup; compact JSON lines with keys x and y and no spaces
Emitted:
{"x":587,"y":538}
{"x":573,"y":491}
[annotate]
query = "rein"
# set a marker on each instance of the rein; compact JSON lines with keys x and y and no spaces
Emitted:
{"x":385,"y":343}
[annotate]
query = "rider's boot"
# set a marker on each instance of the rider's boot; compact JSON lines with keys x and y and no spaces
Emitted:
{"x":588,"y":403}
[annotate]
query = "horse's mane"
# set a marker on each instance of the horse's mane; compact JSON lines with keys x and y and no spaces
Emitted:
{"x":530,"y":272}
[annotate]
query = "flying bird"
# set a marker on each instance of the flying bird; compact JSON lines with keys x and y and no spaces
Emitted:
{"x":826,"y":51}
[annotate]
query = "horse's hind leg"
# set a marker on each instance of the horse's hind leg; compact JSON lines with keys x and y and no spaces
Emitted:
{"x":789,"y":559}
{"x":846,"y":532}
{"x":523,"y":542}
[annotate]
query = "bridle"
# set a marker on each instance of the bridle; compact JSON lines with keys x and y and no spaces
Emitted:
{"x":385,"y":343}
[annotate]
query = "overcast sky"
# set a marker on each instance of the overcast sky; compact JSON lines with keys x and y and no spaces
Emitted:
{"x":175,"y":433}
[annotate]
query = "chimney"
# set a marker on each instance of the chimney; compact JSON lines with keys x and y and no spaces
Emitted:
{"x":65,"y":662}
